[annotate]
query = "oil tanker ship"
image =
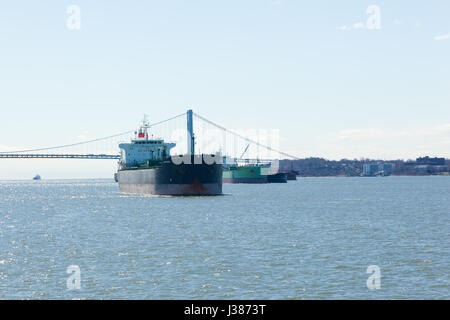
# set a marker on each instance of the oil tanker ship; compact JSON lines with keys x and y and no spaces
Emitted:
{"x":146,"y":167}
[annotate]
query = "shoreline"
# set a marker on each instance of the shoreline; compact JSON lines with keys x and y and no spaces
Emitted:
{"x":298,"y":177}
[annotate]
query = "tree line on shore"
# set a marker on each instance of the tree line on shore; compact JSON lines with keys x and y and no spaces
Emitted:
{"x":320,"y":167}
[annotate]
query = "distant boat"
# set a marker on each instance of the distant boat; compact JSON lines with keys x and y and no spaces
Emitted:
{"x":37,"y":177}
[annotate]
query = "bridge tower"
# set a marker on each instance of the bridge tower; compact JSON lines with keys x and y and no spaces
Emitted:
{"x":190,"y":133}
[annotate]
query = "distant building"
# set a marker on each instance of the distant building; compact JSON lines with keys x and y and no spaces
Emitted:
{"x":377,"y":169}
{"x":387,"y":168}
{"x":369,"y":169}
{"x":430,"y":161}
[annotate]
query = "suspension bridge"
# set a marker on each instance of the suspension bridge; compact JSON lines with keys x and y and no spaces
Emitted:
{"x":208,"y":136}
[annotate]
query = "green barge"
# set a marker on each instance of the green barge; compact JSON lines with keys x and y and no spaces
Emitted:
{"x":246,"y":173}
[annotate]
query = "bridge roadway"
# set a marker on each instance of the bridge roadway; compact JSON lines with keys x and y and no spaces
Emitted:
{"x":57,"y":156}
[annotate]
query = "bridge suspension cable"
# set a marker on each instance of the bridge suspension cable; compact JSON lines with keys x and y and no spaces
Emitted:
{"x":244,"y":138}
{"x":174,"y":131}
{"x":90,"y":141}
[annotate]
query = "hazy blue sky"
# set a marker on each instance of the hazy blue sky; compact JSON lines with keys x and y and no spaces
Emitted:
{"x":312,"y":69}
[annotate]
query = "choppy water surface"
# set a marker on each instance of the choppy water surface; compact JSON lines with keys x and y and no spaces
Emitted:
{"x":313,"y":239}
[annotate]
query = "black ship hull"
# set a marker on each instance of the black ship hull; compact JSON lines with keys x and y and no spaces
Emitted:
{"x":245,"y":180}
{"x":291,"y":175}
{"x":195,"y":179}
{"x":277,"y":178}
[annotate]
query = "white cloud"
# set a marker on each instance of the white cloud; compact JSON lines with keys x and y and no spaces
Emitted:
{"x":8,"y":149}
{"x":360,"y":134}
{"x":358,"y":25}
{"x":442,"y":130}
{"x":442,"y":37}
{"x":382,"y":143}
{"x":344,"y":28}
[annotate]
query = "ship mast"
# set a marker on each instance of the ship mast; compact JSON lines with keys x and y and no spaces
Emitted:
{"x":143,"y":129}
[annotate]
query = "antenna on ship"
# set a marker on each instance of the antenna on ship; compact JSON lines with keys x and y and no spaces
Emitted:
{"x":145,"y":122}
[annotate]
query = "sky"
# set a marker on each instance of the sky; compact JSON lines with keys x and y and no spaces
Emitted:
{"x":336,"y":78}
